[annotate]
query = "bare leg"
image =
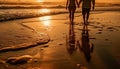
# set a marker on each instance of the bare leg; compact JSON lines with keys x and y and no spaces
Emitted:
{"x":84,"y":17}
{"x":88,"y":13}
{"x":83,"y":14}
{"x":70,"y":15}
{"x":73,"y":15}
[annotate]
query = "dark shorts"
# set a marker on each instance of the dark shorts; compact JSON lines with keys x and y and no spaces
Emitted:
{"x":72,"y":7}
{"x":85,"y":10}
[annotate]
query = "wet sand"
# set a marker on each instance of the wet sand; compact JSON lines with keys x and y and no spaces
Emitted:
{"x":103,"y":29}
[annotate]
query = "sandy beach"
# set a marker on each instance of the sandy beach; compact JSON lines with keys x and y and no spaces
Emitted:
{"x":50,"y":35}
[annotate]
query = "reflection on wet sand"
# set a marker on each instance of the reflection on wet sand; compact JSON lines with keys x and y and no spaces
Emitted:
{"x":70,"y":41}
{"x":84,"y":45}
{"x":46,"y":22}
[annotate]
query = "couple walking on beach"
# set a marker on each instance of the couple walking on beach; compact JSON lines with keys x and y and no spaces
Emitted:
{"x":86,"y":7}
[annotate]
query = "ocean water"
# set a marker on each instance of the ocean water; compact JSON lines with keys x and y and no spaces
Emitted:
{"x":11,"y":12}
{"x":20,"y":11}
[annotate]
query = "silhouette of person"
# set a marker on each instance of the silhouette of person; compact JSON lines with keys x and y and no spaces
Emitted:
{"x":70,"y":41}
{"x":85,"y":46}
{"x":71,"y":6}
{"x":86,"y":7}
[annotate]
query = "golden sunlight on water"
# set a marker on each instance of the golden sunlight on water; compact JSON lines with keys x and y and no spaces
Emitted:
{"x":46,"y":22}
{"x":40,"y":0}
{"x":44,"y":11}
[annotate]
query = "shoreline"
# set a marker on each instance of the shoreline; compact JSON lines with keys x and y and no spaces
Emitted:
{"x":23,"y":15}
{"x":104,"y":28}
{"x":23,"y":46}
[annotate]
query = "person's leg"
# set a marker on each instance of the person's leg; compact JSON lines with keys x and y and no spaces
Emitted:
{"x":83,"y":13}
{"x":73,"y":11}
{"x":70,"y":14}
{"x":88,"y":13}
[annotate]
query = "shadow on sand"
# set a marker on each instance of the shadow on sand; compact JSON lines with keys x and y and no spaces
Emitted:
{"x":70,"y":40}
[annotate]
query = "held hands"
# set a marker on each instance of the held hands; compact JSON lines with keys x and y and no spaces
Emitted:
{"x":66,"y":8}
{"x":78,"y":6}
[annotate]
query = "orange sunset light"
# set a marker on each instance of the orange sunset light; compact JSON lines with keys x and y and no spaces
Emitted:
{"x":40,"y":0}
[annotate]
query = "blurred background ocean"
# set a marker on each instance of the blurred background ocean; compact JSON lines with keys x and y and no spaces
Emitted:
{"x":19,"y":9}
